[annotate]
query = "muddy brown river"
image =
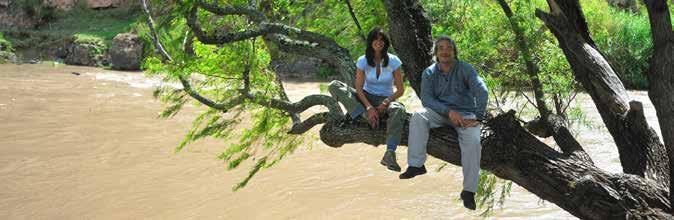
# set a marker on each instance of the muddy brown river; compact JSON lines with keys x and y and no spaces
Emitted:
{"x":90,"y":146}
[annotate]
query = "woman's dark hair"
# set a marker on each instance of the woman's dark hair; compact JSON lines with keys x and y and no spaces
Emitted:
{"x":444,"y":38}
{"x":369,"y":52}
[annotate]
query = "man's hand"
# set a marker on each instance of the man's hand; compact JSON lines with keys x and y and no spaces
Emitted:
{"x":470,"y":122}
{"x":456,"y":119}
{"x":373,"y":117}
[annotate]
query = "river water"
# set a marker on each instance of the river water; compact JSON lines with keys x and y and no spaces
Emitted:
{"x":86,"y":143}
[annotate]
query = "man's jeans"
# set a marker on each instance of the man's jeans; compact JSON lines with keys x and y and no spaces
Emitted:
{"x":469,"y":141}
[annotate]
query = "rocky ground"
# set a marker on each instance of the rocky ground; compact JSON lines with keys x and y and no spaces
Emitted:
{"x":85,"y":32}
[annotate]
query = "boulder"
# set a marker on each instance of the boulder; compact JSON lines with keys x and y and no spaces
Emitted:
{"x":60,"y":4}
{"x":4,"y":3}
{"x":126,"y":52}
{"x":102,"y":3}
{"x":7,"y":56}
{"x":11,"y":18}
{"x":86,"y":53}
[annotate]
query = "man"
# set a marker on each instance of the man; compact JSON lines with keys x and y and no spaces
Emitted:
{"x":452,"y":94}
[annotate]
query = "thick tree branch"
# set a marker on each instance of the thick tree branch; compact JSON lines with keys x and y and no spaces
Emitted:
{"x":660,"y":77}
{"x":512,"y":153}
{"x":639,"y":149}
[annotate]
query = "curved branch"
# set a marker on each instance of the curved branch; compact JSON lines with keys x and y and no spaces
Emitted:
{"x":312,"y":121}
{"x":298,"y":107}
{"x":287,"y":38}
{"x":193,"y":23}
{"x":253,"y":14}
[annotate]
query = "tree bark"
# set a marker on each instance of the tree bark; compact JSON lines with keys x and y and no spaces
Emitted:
{"x":511,"y":152}
{"x":411,"y":37}
{"x":641,"y":152}
{"x":661,"y":76}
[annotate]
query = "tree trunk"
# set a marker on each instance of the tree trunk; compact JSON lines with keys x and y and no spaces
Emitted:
{"x":569,"y":179}
{"x":511,"y":152}
{"x":641,"y":152}
{"x":411,"y":37}
{"x":660,"y":75}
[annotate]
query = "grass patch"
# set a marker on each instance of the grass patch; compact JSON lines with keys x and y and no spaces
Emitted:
{"x":5,"y":45}
{"x":82,"y":24}
{"x":92,"y":25}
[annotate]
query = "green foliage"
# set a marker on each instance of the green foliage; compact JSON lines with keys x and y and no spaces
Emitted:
{"x":491,"y":192}
{"x":334,"y":14}
{"x":625,"y":38}
{"x":4,"y":44}
{"x":325,"y":72}
{"x":216,"y":72}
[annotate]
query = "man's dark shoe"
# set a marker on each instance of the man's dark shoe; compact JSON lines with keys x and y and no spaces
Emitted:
{"x":389,"y":160}
{"x":412,"y":172}
{"x":468,"y":199}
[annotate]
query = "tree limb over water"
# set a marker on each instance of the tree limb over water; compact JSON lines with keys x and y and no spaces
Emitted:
{"x":568,"y":178}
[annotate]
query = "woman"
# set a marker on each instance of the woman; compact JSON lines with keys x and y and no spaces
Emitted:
{"x":377,"y":73}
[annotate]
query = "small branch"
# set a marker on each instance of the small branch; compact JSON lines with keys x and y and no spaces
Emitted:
{"x":153,"y":32}
{"x":569,"y":102}
{"x":531,"y":67}
{"x":355,"y":20}
{"x":528,"y":99}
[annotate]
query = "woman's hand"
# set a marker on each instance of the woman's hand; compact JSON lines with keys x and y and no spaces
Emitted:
{"x":373,"y":117}
{"x":382,"y":107}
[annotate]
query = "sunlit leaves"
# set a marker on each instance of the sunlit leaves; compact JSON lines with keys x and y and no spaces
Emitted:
{"x":217,"y":72}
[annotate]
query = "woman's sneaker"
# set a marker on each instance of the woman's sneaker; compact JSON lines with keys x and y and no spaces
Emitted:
{"x":389,"y":160}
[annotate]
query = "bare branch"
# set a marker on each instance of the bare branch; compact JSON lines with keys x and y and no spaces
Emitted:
{"x":153,"y":32}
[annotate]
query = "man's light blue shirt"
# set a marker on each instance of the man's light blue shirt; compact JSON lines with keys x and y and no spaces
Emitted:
{"x":461,"y":90}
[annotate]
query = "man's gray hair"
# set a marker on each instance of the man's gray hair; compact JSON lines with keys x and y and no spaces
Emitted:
{"x":444,"y":38}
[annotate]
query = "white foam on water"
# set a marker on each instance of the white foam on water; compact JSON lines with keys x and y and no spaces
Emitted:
{"x":136,"y":80}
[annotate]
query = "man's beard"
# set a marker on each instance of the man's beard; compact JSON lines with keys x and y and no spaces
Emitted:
{"x":446,"y":61}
